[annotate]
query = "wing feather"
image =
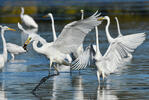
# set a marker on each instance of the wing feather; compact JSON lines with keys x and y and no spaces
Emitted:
{"x":74,"y":33}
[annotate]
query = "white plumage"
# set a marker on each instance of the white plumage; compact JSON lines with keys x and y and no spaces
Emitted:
{"x":14,"y":49}
{"x":68,"y":41}
{"x":27,"y":20}
{"x":118,"y":52}
{"x":3,"y":56}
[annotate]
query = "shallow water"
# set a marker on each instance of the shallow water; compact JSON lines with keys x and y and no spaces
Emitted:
{"x":19,"y":77}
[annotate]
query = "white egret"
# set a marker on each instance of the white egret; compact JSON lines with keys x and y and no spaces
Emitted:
{"x":3,"y":56}
{"x":82,"y":56}
{"x":119,"y":49}
{"x":67,"y":42}
{"x":53,"y":27}
{"x":27,"y":20}
{"x":32,"y":33}
{"x":125,"y":43}
{"x":80,"y":49}
{"x":14,"y":49}
{"x":54,"y":34}
{"x":119,"y":35}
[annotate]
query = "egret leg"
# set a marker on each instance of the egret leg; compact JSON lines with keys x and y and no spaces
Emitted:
{"x":44,"y":79}
{"x":98,"y":76}
{"x":56,"y":70}
{"x":12,"y":56}
{"x":50,"y":66}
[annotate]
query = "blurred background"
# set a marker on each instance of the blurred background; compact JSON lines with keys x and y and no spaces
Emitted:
{"x":67,"y":10}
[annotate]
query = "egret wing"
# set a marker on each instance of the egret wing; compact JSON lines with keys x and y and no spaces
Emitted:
{"x":82,"y":61}
{"x":74,"y":33}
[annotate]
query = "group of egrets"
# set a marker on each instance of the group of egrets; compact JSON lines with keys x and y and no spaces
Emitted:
{"x":70,"y":41}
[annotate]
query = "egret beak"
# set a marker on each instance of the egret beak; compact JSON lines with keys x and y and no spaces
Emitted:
{"x":11,"y":29}
{"x":100,"y":19}
{"x":26,"y":43}
{"x":45,"y":16}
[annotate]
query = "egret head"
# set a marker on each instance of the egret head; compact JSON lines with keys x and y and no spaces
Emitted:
{"x":101,"y":18}
{"x":82,"y":11}
{"x":48,"y":15}
{"x":6,"y":28}
{"x":31,"y":37}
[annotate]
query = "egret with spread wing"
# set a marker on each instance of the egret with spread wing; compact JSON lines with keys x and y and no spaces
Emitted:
{"x":68,"y":41}
{"x":118,"y":51}
{"x":3,"y":56}
{"x":68,"y":57}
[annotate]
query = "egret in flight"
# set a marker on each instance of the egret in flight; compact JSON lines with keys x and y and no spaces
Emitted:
{"x":3,"y":56}
{"x":27,"y":20}
{"x":67,"y":42}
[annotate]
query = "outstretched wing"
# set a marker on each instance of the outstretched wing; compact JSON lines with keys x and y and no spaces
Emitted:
{"x":118,"y":52}
{"x":82,"y":61}
{"x":74,"y":33}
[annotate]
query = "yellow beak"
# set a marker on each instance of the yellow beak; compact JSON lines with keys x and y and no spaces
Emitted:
{"x":101,"y":18}
{"x":26,"y":43}
{"x":11,"y":29}
{"x":45,"y":16}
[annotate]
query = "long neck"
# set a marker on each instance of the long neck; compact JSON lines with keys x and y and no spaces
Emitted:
{"x":53,"y":28}
{"x":118,"y":27}
{"x":107,"y":31}
{"x":35,"y":47}
{"x":4,"y":46}
{"x":22,"y":12}
{"x":97,"y":41}
{"x":82,"y":16}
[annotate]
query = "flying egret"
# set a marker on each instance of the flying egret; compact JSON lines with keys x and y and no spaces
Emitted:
{"x":14,"y":49}
{"x":3,"y":56}
{"x":27,"y":20}
{"x":67,"y":42}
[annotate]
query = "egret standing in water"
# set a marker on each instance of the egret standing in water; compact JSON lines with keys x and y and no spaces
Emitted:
{"x":67,"y":42}
{"x":3,"y":56}
{"x":14,"y":49}
{"x":54,"y":34}
{"x":27,"y":20}
{"x":53,"y":26}
{"x":118,"y":50}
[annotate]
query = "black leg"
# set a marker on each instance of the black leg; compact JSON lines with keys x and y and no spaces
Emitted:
{"x":44,"y":79}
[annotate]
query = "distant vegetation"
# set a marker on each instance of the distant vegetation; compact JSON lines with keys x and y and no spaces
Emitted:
{"x":69,"y":10}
